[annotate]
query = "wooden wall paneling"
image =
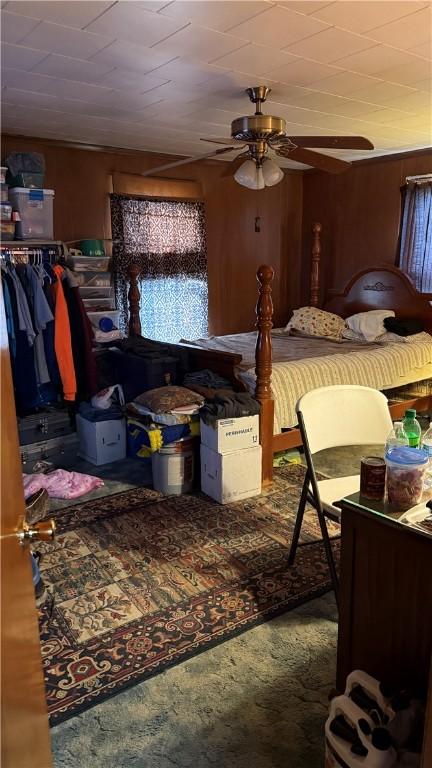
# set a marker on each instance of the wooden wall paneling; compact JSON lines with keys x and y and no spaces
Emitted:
{"x":82,"y":180}
{"x":360,"y":211}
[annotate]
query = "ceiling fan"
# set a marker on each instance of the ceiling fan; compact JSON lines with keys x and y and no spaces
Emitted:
{"x":255,"y":135}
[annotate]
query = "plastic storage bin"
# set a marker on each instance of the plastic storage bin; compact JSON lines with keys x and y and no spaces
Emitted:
{"x":102,"y":304}
{"x":35,"y":207}
{"x":91,"y":263}
{"x":406,"y":470}
{"x":96,"y":291}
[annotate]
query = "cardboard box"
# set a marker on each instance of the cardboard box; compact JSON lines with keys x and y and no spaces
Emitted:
{"x":228,"y":477}
{"x":101,"y":442}
{"x":231,"y":435}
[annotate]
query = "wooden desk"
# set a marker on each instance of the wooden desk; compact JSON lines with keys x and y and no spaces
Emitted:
{"x":385,"y":622}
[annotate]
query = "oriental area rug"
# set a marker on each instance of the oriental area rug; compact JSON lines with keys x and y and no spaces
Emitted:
{"x":141,"y":582}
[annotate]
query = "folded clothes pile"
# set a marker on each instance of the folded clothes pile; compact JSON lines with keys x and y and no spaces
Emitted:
{"x":206,"y":378}
{"x":229,"y":407}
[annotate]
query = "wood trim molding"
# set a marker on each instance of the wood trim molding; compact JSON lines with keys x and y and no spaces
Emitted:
{"x":153,"y":186}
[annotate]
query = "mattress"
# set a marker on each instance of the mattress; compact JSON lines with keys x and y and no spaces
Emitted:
{"x":301,"y":364}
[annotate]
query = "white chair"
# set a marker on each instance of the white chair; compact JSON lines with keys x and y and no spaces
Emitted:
{"x":330,"y":417}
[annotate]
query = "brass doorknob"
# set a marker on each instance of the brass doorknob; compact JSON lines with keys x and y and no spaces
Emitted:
{"x":44,"y":531}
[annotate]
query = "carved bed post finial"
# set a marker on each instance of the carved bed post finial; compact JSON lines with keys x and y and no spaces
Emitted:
{"x":263,"y":368}
{"x":134,"y":301}
{"x":315,"y":265}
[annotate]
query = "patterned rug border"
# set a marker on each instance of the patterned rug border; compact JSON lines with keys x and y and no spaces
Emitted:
{"x":58,"y":717}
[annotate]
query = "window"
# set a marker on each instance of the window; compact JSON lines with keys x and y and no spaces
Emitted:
{"x":416,"y":233}
{"x":167,"y":240}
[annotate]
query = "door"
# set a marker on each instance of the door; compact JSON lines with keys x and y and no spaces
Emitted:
{"x":25,"y":739}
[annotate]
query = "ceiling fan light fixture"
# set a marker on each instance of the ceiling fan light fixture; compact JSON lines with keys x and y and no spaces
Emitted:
{"x":271,"y":172}
{"x":250,"y":175}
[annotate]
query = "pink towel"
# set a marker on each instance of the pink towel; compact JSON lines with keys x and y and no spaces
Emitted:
{"x":61,"y":484}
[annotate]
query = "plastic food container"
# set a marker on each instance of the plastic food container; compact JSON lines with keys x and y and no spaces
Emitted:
{"x":406,"y":470}
{"x":35,"y":207}
{"x":5,"y":211}
{"x":7,"y":230}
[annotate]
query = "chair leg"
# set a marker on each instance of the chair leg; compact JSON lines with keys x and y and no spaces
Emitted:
{"x":329,"y":553}
{"x":299,"y":520}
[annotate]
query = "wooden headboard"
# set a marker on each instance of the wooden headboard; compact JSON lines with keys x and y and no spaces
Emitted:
{"x":383,"y":287}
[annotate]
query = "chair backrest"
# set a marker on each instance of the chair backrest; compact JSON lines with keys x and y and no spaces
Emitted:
{"x":344,"y":415}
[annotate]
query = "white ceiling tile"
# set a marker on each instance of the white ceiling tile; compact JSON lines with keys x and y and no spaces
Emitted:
{"x":14,"y":27}
{"x":69,"y":68}
{"x":302,"y":72}
{"x":65,"y":40}
{"x":359,"y":17}
{"x":415,"y":101}
{"x":407,"y":73}
{"x":125,"y":79}
{"x":278,"y":27}
{"x":255,"y":59}
{"x":20,"y":57}
{"x":325,"y":102}
{"x":304,"y":6}
{"x":380,"y":91}
{"x":374,"y":60}
{"x":72,"y":14}
{"x":26,"y":81}
{"x":199,"y":43}
{"x":220,"y":15}
{"x":70,"y":89}
{"x":127,"y":21}
{"x":424,"y":50}
{"x":343,"y":83}
{"x":413,"y":122}
{"x":406,"y":32}
{"x":330,"y":45}
{"x":128,"y":56}
{"x":384,"y":116}
{"x":17,"y":96}
{"x":189,"y":73}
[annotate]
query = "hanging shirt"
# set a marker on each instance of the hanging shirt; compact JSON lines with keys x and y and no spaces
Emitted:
{"x":42,"y":315}
{"x":24,"y":317}
{"x":62,"y":338}
{"x":9,"y":318}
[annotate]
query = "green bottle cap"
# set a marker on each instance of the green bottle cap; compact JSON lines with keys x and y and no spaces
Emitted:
{"x":410,"y":413}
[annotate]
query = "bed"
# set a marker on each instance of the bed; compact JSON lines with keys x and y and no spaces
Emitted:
{"x":279,"y":368}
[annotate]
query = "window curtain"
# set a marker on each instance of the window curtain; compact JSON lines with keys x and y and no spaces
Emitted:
{"x":416,"y":235}
{"x":166,"y":239}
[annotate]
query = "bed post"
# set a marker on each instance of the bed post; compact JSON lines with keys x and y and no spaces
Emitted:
{"x":315,"y":266}
{"x":134,"y":301}
{"x":263,"y":369}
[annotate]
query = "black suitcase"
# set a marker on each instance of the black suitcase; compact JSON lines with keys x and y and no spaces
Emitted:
{"x":60,"y":451}
{"x":47,"y":424}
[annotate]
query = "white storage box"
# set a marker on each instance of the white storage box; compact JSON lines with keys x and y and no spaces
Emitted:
{"x":230,"y":435}
{"x":228,"y":477}
{"x":101,"y":442}
{"x":35,"y":207}
{"x":91,"y":263}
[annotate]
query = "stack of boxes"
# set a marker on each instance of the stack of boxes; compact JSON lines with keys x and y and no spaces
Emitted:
{"x":95,"y":286}
{"x":231,"y":459}
{"x":28,"y":212}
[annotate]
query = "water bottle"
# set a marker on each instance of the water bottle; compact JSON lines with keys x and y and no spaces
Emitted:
{"x":427,"y":447}
{"x":412,"y":428}
{"x":396,"y":438}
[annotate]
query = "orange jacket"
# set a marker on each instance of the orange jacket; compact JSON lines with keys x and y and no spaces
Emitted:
{"x":62,"y":339}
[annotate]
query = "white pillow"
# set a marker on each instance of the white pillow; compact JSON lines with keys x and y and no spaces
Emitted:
{"x":369,"y":324}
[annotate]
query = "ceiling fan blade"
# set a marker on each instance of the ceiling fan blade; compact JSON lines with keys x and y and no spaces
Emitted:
{"x":317,"y":160}
{"x":332,"y":142}
{"x":186,"y":160}
{"x":220,"y":141}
